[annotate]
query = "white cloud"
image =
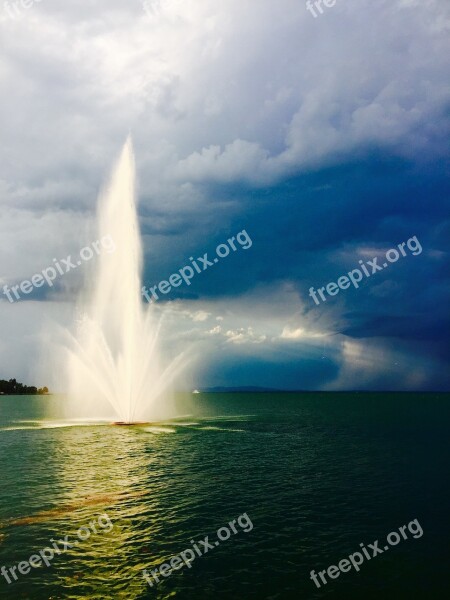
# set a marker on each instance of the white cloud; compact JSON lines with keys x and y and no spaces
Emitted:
{"x":245,"y":336}
{"x":200,"y":316}
{"x":300,"y":334}
{"x":223,"y":91}
{"x":215,"y":330}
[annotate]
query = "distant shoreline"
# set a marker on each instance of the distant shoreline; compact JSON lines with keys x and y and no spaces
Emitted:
{"x":12,"y":387}
{"x":209,"y":392}
{"x":250,"y":390}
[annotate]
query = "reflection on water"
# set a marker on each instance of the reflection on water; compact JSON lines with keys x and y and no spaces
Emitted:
{"x":317,"y":476}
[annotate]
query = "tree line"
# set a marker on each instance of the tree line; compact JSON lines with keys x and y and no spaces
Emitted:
{"x":13,"y":388}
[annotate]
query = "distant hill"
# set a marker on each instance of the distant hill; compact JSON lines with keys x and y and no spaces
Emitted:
{"x":248,"y":388}
{"x":14,"y":388}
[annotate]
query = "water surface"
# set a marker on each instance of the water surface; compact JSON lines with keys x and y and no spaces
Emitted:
{"x":317,"y":474}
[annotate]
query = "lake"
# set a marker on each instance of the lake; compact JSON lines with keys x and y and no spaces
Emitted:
{"x":316,"y":475}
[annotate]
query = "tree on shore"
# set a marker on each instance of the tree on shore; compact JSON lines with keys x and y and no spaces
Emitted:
{"x":14,"y":388}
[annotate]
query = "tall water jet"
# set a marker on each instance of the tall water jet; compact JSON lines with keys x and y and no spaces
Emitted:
{"x":113,"y":358}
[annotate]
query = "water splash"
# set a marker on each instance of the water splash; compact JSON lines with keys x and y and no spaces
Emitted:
{"x":114,"y":358}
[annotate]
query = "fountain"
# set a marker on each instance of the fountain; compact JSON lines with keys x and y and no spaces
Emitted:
{"x":114,"y":360}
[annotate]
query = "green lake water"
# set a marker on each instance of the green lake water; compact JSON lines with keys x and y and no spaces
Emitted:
{"x":317,"y":475}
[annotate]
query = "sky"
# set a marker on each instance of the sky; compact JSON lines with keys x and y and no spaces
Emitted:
{"x":324,"y":138}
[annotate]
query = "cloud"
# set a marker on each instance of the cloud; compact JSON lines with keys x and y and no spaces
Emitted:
{"x":238,"y":160}
{"x":362,"y":362}
{"x":244,"y":336}
{"x":299,"y":334}
{"x":200,"y":316}
{"x":324,"y":138}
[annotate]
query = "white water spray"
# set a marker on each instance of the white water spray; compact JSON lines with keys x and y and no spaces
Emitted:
{"x":113,"y":357}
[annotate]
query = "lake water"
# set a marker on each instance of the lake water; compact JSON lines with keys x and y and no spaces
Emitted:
{"x":316,"y":474}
